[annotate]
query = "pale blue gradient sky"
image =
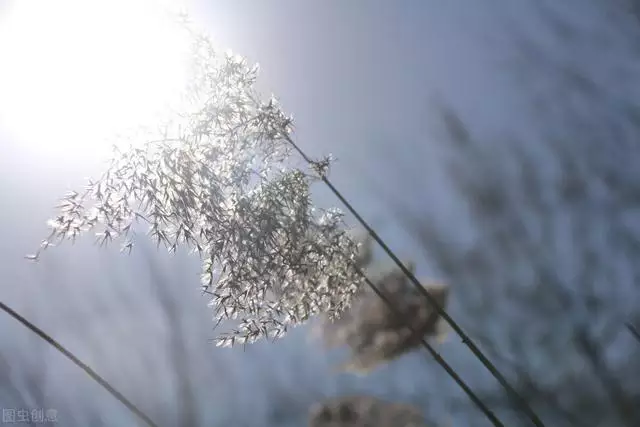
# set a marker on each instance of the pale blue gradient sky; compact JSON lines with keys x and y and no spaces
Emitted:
{"x":359,"y":78}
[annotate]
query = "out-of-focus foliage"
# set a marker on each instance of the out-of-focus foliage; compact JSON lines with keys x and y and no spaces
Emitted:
{"x":215,"y":179}
{"x":361,"y":411}
{"x":373,"y":332}
{"x":548,"y":276}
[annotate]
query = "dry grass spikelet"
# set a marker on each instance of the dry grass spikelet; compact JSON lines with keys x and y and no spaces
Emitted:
{"x":364,"y":411}
{"x":375,"y":334}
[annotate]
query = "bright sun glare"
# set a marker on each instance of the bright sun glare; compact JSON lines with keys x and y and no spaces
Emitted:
{"x":75,"y":72}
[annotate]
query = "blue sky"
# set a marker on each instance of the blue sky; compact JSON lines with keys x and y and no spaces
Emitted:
{"x":361,"y":79}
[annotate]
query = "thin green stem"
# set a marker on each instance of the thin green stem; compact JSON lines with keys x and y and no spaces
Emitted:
{"x":93,"y":374}
{"x":518,"y":399}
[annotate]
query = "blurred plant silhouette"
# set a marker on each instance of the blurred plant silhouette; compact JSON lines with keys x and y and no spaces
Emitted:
{"x":373,"y":333}
{"x":548,"y":279}
{"x":364,"y":411}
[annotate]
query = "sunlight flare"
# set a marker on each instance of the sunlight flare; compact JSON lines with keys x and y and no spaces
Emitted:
{"x":75,"y":72}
